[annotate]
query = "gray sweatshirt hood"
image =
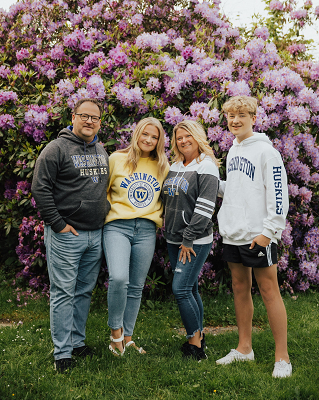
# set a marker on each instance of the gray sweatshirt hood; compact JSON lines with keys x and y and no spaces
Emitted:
{"x":68,"y":134}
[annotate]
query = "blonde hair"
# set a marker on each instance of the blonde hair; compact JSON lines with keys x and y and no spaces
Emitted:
{"x":134,"y":152}
{"x":198,"y":132}
{"x":241,"y":103}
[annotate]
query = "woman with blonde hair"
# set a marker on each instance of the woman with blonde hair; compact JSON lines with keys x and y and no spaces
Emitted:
{"x":136,"y":177}
{"x":189,"y":196}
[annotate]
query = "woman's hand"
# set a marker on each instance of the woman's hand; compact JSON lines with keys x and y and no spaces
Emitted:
{"x":186,"y":252}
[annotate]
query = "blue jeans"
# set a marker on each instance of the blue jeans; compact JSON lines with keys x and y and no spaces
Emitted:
{"x":128,"y":246}
{"x":73,"y":264}
{"x":185,"y":286}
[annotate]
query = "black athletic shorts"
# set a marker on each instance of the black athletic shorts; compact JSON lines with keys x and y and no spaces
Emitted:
{"x":257,"y":257}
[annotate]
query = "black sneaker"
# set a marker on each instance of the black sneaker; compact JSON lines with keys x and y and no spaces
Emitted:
{"x":83,"y":351}
{"x":63,"y":365}
{"x":190,"y":350}
{"x":203,"y":342}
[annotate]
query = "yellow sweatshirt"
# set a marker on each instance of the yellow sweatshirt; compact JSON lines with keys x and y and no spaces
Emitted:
{"x":135,"y":195}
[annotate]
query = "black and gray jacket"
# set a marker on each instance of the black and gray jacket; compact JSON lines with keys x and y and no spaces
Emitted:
{"x":189,"y":195}
{"x":70,"y":181}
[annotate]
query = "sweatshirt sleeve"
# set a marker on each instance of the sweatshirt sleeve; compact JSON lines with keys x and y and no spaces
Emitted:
{"x":44,"y":177}
{"x":277,"y":198}
{"x":208,"y":182}
{"x":222,"y":188}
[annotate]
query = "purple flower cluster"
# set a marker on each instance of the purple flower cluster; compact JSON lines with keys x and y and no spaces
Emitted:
{"x":7,"y":96}
{"x":173,"y":115}
{"x":36,"y":116}
{"x":155,"y":41}
{"x":239,"y":88}
{"x":77,"y":41}
{"x":6,"y":121}
{"x":137,"y":19}
{"x":118,"y":56}
{"x":201,"y":110}
{"x":296,"y":48}
{"x":276,"y":5}
{"x":153,"y":84}
{"x":22,"y":54}
{"x":262,"y":33}
{"x":299,"y":14}
{"x":128,"y":97}
{"x":36,"y":119}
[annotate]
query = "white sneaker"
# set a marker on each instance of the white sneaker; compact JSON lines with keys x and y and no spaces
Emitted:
{"x":235,"y":355}
{"x":282,"y":369}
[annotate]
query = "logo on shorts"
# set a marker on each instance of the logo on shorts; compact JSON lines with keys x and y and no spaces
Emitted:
{"x":261,"y":254}
{"x":140,"y":194}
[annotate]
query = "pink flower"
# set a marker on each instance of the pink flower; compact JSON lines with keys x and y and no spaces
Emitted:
{"x":239,"y":88}
{"x":6,"y":121}
{"x":153,"y":84}
{"x":22,"y":54}
{"x":137,"y":19}
{"x":276,"y":5}
{"x":118,"y":56}
{"x":299,"y":14}
{"x":187,"y":52}
{"x":262,"y":33}
{"x":8,"y":96}
{"x":173,"y":115}
{"x":179,"y":43}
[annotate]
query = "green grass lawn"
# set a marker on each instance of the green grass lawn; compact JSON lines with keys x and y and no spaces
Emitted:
{"x":26,"y":355}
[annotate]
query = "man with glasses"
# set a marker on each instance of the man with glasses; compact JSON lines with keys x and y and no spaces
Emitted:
{"x":69,"y":187}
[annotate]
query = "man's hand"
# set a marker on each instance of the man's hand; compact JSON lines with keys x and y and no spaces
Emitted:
{"x":261,"y":240}
{"x":186,"y":252}
{"x":69,"y":228}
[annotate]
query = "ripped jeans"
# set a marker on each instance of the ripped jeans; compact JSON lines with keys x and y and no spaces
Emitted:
{"x":185,"y":286}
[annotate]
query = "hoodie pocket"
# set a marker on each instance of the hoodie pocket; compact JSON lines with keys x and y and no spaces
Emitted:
{"x":184,"y":219}
{"x":89,"y":215}
{"x":175,"y":222}
{"x":233,"y":223}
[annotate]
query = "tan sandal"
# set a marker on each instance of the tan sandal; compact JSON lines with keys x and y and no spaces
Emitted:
{"x":139,"y":349}
{"x":116,"y":351}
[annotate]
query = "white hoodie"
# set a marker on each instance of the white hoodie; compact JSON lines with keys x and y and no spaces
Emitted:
{"x":255,"y":198}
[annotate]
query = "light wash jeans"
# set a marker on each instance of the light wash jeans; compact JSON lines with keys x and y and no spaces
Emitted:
{"x":73,"y":264}
{"x":128,"y":246}
{"x":185,"y":286}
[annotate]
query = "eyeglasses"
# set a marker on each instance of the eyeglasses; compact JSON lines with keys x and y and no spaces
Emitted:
{"x":86,"y":117}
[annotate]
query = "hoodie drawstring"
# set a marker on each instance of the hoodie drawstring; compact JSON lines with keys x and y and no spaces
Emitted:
{"x":98,"y":163}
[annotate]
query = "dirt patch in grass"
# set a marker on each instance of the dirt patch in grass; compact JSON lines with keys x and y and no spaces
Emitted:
{"x":5,"y":324}
{"x":217,"y":330}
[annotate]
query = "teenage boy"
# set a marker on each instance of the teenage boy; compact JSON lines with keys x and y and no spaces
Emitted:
{"x":69,"y":187}
{"x":251,"y":220}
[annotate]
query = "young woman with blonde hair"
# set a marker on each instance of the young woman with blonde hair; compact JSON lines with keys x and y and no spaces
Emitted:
{"x":189,"y":196}
{"x":136,"y":177}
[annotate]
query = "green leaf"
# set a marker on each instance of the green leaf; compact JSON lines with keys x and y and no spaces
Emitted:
{"x":112,"y":141}
{"x":150,"y":304}
{"x":168,"y":73}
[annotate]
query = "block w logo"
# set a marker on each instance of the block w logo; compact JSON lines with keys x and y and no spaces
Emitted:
{"x":141,"y":194}
{"x":95,"y":179}
{"x":171,"y":191}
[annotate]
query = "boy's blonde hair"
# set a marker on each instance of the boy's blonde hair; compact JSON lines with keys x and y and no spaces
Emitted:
{"x":241,"y":103}
{"x":198,"y":132}
{"x":134,"y":152}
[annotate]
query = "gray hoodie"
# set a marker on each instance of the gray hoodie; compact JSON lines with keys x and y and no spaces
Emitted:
{"x":189,"y":196}
{"x":70,"y":181}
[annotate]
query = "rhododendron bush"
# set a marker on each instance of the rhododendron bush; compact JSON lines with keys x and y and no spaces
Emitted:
{"x":167,"y":59}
